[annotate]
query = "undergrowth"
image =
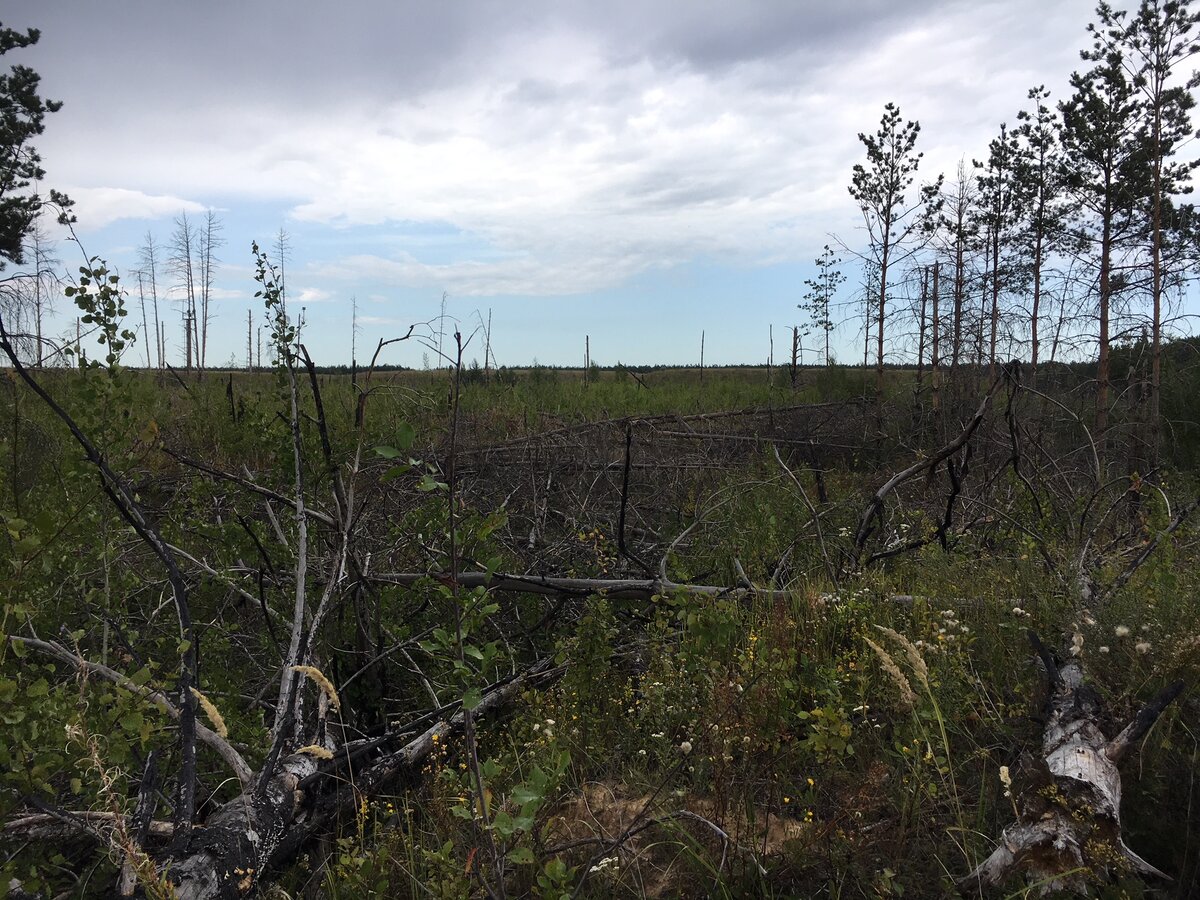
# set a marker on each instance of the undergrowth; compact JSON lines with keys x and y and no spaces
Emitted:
{"x":836,"y":740}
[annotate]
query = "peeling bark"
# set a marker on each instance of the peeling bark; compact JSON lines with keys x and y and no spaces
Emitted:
{"x":1068,"y":830}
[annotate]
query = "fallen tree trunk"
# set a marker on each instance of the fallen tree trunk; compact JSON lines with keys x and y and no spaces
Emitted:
{"x":248,"y":840}
{"x":261,"y":830}
{"x":553,"y":586}
{"x":1067,"y":836}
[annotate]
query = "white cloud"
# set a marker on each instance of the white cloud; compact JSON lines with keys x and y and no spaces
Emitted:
{"x":220,"y":293}
{"x":96,"y":207}
{"x":572,"y":150}
{"x":312,"y":295}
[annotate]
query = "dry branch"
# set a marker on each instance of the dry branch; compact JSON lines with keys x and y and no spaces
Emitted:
{"x":204,"y":734}
{"x":875,"y":506}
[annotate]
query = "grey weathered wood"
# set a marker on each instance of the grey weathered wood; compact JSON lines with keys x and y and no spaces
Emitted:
{"x":1068,"y":830}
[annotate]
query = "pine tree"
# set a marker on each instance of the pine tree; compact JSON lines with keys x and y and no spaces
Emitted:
{"x":997,"y":200}
{"x":1041,"y":204}
{"x":22,"y":118}
{"x":819,"y":296}
{"x":881,"y":190}
{"x":1106,"y":172}
{"x":959,"y":231}
{"x":1153,"y":44}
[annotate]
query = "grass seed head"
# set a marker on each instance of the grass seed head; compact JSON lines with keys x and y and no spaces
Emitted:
{"x":323,"y":683}
{"x":908,"y":698}
{"x":214,"y":714}
{"x":911,"y":652}
{"x":316,"y":751}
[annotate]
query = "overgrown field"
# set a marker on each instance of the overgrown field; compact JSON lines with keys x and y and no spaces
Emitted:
{"x":840,"y":722}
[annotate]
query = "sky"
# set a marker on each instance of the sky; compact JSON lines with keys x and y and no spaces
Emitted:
{"x":634,"y":172}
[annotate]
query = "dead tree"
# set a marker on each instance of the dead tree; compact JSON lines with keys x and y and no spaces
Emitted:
{"x":1068,"y":830}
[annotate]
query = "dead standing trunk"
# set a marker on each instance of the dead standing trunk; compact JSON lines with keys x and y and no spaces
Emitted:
{"x":935,"y":363}
{"x":921,"y":329}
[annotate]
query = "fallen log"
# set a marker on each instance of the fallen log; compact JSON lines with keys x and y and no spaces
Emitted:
{"x":553,"y":586}
{"x":254,"y":835}
{"x":1067,"y":836}
{"x":247,"y":841}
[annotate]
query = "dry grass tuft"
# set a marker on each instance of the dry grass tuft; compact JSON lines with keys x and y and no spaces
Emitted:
{"x":908,"y":698}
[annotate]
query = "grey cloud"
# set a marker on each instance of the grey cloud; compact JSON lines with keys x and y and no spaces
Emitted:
{"x":580,"y":142}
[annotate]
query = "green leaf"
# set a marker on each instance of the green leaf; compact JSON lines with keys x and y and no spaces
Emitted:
{"x":523,"y":794}
{"x":503,"y":824}
{"x":405,"y":435}
{"x":522,"y":856}
{"x":395,"y":472}
{"x":471,"y":699}
{"x":429,"y":483}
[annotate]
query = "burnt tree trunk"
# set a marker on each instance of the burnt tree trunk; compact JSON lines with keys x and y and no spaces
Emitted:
{"x":1067,"y":835}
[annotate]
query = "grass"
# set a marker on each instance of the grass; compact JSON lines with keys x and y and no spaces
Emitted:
{"x":692,"y":747}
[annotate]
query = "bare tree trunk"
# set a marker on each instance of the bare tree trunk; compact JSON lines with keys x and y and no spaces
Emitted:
{"x":210,"y":240}
{"x":183,"y":248}
{"x":794,"y":369}
{"x":828,"y":327}
{"x":487,"y":349}
{"x":866,"y":343}
{"x":1155,"y":436}
{"x":43,"y":265}
{"x":959,"y":296}
{"x":935,"y":362}
{"x":995,"y":315}
{"x":1037,"y":306}
{"x":883,"y":273}
{"x":1102,"y":364}
{"x":149,"y":261}
{"x":921,"y":328}
{"x":145,"y":321}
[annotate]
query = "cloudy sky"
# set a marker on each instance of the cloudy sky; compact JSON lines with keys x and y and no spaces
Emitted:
{"x":631,"y":170}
